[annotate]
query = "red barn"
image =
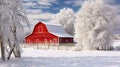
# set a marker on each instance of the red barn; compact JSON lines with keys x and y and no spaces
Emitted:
{"x":44,"y":33}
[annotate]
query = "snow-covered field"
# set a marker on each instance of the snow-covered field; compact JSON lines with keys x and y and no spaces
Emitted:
{"x":61,"y":58}
{"x":32,"y":57}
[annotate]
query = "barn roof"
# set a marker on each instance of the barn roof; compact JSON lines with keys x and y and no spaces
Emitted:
{"x":57,"y":30}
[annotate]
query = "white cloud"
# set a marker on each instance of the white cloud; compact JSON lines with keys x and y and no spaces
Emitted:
{"x":41,"y":16}
{"x":78,"y":3}
{"x":49,"y":1}
{"x":75,"y":2}
{"x":112,"y":3}
{"x":44,"y":3}
{"x":29,"y":4}
{"x":30,"y":11}
{"x":68,"y":2}
{"x":35,"y":16}
{"x":34,"y":10}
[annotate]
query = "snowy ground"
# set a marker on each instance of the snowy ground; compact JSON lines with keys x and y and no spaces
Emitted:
{"x":62,"y":58}
{"x":32,"y":57}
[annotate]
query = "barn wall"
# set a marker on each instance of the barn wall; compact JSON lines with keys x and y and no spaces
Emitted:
{"x":41,"y":34}
{"x":65,"y":40}
{"x":42,"y":38}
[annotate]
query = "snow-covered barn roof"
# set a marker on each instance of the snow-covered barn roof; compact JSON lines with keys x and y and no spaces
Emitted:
{"x":57,"y":30}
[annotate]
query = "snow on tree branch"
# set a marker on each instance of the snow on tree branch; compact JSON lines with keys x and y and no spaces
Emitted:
{"x":12,"y":17}
{"x":94,"y":23}
{"x":66,"y":18}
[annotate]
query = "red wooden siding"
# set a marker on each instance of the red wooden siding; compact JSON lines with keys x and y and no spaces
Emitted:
{"x":41,"y":34}
{"x":42,"y":38}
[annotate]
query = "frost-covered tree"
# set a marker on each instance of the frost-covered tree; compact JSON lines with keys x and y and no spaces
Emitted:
{"x":93,"y":25}
{"x":11,"y":19}
{"x":66,"y":18}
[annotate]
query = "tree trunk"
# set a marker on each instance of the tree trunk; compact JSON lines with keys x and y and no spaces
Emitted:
{"x":11,"y":50}
{"x":2,"y":51}
{"x":15,"y":51}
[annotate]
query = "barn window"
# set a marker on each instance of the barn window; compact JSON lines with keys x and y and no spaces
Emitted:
{"x":40,"y":29}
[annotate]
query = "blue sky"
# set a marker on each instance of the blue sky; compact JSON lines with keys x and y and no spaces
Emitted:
{"x":43,"y":10}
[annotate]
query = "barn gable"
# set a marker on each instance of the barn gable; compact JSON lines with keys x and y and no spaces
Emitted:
{"x":40,"y":28}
